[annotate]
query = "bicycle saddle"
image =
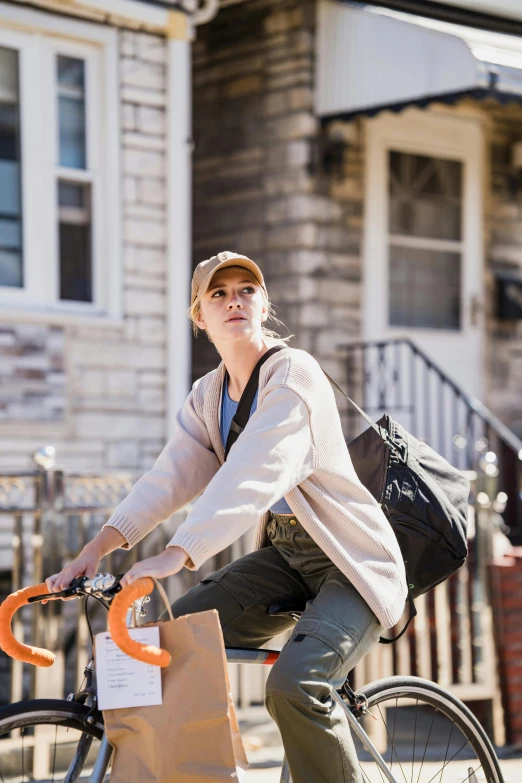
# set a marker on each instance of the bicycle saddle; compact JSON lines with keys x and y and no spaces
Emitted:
{"x":291,"y":607}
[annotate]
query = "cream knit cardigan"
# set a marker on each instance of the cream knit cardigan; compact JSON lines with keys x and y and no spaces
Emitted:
{"x":292,"y":447}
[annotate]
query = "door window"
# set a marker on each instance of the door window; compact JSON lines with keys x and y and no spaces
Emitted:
{"x":425,"y":241}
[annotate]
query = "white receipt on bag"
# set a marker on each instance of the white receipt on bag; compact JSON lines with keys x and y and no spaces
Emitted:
{"x":123,"y":681}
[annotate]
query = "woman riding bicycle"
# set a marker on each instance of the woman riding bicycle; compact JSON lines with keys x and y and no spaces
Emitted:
{"x":321,"y":539}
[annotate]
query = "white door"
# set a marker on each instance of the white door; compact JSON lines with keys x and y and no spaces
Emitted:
{"x":423,"y":242}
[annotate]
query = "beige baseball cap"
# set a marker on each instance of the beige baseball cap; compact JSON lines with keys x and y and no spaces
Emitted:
{"x":204,"y":271}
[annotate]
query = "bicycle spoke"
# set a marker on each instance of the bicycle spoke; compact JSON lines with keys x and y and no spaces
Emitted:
{"x":426,"y":746}
{"x":394,"y":722}
{"x":38,"y":744}
{"x":424,"y":714}
{"x":414,"y":738}
{"x":393,"y":744}
{"x":446,"y":753}
{"x":366,"y":776}
{"x":54,"y":750}
{"x":449,"y":762}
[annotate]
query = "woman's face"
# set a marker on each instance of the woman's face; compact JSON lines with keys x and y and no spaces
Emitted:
{"x":233,"y":307}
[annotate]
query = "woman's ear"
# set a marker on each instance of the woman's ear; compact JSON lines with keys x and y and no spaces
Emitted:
{"x":200,"y":322}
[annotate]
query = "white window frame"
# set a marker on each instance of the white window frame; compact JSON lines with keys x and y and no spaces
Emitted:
{"x":417,"y":242}
{"x":438,"y":133}
{"x":39,"y":39}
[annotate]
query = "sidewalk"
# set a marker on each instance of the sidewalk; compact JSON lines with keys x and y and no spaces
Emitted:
{"x":511,"y":769}
{"x":265,"y":754}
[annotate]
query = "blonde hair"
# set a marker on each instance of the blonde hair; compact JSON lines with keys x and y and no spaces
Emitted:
{"x":195,"y":309}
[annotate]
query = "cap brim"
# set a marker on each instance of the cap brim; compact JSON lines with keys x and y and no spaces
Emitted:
{"x":246,"y":263}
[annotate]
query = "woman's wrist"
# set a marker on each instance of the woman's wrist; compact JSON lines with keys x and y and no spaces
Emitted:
{"x":177,"y":554}
{"x":106,"y":541}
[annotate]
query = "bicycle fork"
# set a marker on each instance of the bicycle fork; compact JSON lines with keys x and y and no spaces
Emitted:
{"x":102,"y":761}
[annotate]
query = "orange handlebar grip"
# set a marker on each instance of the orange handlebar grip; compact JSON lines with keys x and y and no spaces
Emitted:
{"x":10,"y":645}
{"x":119,"y":631}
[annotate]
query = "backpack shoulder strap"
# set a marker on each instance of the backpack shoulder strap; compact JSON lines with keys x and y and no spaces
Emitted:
{"x":413,"y":613}
{"x":379,"y":430}
{"x":242,"y":413}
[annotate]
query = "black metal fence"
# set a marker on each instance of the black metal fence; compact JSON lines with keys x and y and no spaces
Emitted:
{"x":46,"y":517}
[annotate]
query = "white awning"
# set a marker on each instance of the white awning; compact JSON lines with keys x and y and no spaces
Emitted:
{"x":370,"y":58}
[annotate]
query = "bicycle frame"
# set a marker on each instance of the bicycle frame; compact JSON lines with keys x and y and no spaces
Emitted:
{"x":104,"y":584}
{"x":268,"y":658}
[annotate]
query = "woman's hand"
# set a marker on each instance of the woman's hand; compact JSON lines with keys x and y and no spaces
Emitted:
{"x":168,"y":562}
{"x":86,"y":564}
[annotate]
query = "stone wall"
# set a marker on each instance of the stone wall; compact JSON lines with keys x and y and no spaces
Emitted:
{"x":98,"y":393}
{"x":258,"y":188}
{"x":32,"y":374}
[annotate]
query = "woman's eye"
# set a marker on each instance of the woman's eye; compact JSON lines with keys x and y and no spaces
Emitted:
{"x":247,"y":288}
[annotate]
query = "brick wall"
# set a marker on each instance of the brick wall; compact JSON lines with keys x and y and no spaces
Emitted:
{"x":105,"y":398}
{"x":257,"y":187}
{"x":507,"y":576}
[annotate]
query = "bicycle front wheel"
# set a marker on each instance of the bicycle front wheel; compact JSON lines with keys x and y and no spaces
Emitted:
{"x":48,"y":740}
{"x":425,"y":734}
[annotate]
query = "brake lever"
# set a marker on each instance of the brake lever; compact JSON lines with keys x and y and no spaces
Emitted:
{"x":69,"y":592}
{"x":73,"y":592}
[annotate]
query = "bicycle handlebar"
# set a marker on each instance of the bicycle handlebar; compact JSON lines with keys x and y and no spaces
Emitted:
{"x":22,"y":652}
{"x":117,"y":624}
{"x":118,"y":627}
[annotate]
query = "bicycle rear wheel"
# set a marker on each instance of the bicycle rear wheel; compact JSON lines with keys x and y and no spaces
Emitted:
{"x":47,"y":740}
{"x":425,"y":734}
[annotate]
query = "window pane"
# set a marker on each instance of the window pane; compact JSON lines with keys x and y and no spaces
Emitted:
{"x":414,"y":277}
{"x":70,"y":195}
{"x":11,"y":260}
{"x":71,"y":112}
{"x":425,"y":196}
{"x":74,"y":209}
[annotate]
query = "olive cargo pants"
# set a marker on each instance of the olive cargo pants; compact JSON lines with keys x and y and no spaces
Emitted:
{"x":334,"y":632}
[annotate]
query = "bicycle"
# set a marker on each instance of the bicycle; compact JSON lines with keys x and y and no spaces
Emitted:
{"x":411,"y":711}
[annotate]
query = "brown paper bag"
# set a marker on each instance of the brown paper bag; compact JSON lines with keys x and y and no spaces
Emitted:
{"x":193,"y":736}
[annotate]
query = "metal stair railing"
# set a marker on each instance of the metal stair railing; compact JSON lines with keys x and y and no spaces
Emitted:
{"x":452,"y":639}
{"x":396,"y":376}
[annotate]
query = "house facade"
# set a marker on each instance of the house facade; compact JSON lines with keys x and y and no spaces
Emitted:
{"x":369,"y":157}
{"x":94,"y":230}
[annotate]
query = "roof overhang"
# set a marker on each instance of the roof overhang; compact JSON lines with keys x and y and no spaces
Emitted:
{"x":171,"y":18}
{"x":509,"y":9}
{"x":370,"y":59}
